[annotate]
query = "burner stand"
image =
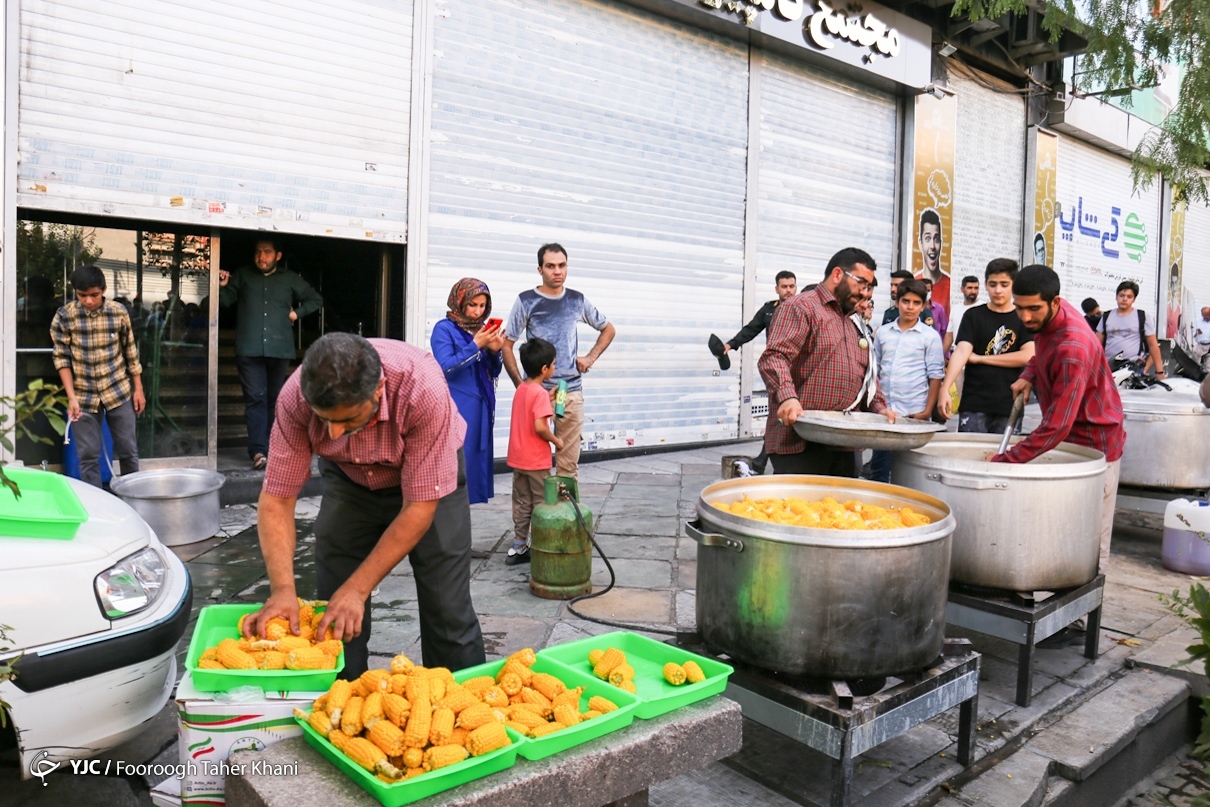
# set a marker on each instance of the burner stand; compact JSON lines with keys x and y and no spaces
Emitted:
{"x":827,"y":717}
{"x":1021,"y":619}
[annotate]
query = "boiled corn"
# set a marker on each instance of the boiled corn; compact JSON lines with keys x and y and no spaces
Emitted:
{"x":486,"y":739}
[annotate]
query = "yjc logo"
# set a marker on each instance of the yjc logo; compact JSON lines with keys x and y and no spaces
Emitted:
{"x":42,"y":766}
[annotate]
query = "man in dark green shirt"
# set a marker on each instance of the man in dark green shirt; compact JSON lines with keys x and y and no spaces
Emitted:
{"x":270,"y":299}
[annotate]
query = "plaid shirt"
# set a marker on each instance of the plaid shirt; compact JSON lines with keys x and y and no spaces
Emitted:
{"x":100,"y":350}
{"x":413,"y":443}
{"x":813,"y":353}
{"x":1080,"y":402}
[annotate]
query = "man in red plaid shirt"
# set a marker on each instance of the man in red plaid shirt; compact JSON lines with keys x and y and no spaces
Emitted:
{"x":389,"y":439}
{"x":817,"y":357}
{"x":1080,"y":402}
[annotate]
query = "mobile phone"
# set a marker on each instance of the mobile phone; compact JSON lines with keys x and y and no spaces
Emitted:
{"x":493,"y":323}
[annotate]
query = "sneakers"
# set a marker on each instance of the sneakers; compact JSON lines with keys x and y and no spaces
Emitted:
{"x":517,"y":555}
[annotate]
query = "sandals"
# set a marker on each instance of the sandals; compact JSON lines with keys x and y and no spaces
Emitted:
{"x":259,"y":461}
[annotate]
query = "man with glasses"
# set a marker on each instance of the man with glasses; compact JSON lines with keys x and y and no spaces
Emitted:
{"x":817,"y":357}
{"x":379,"y":415}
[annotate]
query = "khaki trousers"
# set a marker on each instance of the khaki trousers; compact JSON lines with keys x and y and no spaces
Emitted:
{"x":1112,"y":473}
{"x":568,"y":429}
{"x":529,"y":488}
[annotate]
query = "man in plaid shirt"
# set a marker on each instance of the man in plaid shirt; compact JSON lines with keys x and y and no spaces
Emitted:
{"x":816,"y":357}
{"x":389,"y":439}
{"x":98,"y":361}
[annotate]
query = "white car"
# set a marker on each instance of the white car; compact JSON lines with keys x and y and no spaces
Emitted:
{"x":96,"y":620}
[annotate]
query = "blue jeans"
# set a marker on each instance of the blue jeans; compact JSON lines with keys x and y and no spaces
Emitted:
{"x":880,"y":466}
{"x":262,"y":379}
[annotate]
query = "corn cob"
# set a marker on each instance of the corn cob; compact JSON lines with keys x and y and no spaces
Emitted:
{"x":244,"y":644}
{"x":589,"y":715}
{"x":288,"y":643}
{"x":316,"y":720}
{"x":475,"y":716}
{"x":510,"y":683}
{"x":611,"y":658}
{"x":412,"y":773}
{"x":338,"y":739}
{"x":458,"y":736}
{"x":371,"y":757}
{"x":478,"y":685}
{"x":437,"y":686}
{"x":306,"y":631}
{"x":333,"y":647}
{"x":444,"y":673}
{"x":359,"y":691}
{"x":693,"y":673}
{"x":401,"y":664}
{"x":417,"y":687}
{"x":277,"y":628}
{"x":350,"y":721}
{"x":544,"y":729}
{"x":272,"y":660}
{"x":239,"y":626}
{"x":620,"y":673}
{"x":628,"y":686}
{"x":375,"y":681}
{"x":525,"y":718}
{"x":338,"y":696}
{"x":569,"y":697}
{"x":439,"y":756}
{"x":567,"y":715}
{"x":525,"y":656}
{"x":594,"y":656}
{"x":209,"y":654}
{"x":486,"y":739}
{"x":413,"y":758}
{"x":674,"y":673}
{"x":442,"y":726}
{"x":537,"y":698}
{"x":387,"y":736}
{"x":456,"y":699}
{"x":399,"y":684}
{"x":520,"y":728}
{"x":372,"y":710}
{"x":396,"y":708}
{"x":305,"y":611}
{"x":416,"y":735}
{"x":210,"y":664}
{"x":307,"y":658}
{"x":601,"y":705}
{"x":522,"y":672}
{"x":547,"y":684}
{"x":320,"y":704}
{"x":231,"y":657}
{"x":262,"y":644}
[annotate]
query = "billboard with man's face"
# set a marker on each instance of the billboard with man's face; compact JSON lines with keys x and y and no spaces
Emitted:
{"x":933,"y":192}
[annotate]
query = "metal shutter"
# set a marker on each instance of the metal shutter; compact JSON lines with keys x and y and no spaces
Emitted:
{"x":285,"y":115}
{"x":1093,"y":183}
{"x":828,"y":149}
{"x":623,"y":136}
{"x":989,"y":168}
{"x":1196,"y":267}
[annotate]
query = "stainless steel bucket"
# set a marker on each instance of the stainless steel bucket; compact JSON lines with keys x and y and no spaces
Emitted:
{"x":180,"y":504}
{"x":839,"y":604}
{"x":1021,"y":527}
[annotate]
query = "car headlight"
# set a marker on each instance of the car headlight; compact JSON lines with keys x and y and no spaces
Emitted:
{"x":132,"y":584}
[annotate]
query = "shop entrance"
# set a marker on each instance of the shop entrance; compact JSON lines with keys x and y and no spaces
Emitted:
{"x":362,"y":286}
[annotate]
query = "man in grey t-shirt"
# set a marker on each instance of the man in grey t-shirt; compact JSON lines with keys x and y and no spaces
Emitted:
{"x":1119,"y":331}
{"x":551,"y":312}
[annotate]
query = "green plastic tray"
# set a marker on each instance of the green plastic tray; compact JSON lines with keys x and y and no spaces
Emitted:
{"x":561,"y":740}
{"x":218,"y":622}
{"x":48,"y":507}
{"x":410,"y":790}
{"x":648,"y":657}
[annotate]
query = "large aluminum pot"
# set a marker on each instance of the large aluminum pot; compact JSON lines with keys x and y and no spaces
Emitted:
{"x":1023,"y":527}
{"x":1167,"y":437}
{"x":180,"y":504}
{"x":824,"y":603}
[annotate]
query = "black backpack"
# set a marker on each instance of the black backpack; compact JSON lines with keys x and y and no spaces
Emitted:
{"x":1142,"y":329}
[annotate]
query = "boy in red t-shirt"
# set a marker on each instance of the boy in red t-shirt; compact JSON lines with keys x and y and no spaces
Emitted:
{"x":529,"y":442}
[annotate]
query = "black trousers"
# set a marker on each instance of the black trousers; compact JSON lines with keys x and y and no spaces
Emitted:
{"x":353,"y":518}
{"x":817,"y":459}
{"x":262,"y":379}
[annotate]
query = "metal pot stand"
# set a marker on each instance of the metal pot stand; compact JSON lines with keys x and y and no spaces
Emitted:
{"x":828,"y":717}
{"x":1021,"y":618}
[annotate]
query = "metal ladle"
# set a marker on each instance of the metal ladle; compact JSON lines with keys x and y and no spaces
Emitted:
{"x":1014,"y":418}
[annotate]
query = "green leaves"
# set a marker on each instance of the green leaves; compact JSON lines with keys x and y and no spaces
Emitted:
{"x":17,"y":414}
{"x":1194,"y":610}
{"x":8,"y":671}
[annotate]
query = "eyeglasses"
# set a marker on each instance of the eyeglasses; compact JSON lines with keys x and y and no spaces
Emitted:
{"x":862,"y":283}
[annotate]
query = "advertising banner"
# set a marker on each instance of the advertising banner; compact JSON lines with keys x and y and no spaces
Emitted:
{"x":933,"y":192}
{"x":1046,"y":171}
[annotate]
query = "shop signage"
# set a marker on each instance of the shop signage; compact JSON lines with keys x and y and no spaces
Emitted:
{"x":865,"y":35}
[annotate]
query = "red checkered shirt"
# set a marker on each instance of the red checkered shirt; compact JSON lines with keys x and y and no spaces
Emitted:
{"x":413,"y":443}
{"x":1080,"y":402}
{"x":813,"y":353}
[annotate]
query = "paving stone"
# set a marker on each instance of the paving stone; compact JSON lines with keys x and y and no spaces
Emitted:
{"x":1017,"y":720}
{"x":154,"y":737}
{"x":63,"y":787}
{"x":715,"y":785}
{"x":634,"y":573}
{"x":220,"y":583}
{"x":569,"y":630}
{"x":242,"y":550}
{"x":999,"y":677}
{"x":686,"y":574}
{"x":640,"y":507}
{"x":499,"y":598}
{"x":639,"y":547}
{"x":686,"y":609}
{"x":1019,"y":781}
{"x":640,"y":493}
{"x":394,"y":631}
{"x":1084,"y":740}
{"x":686,"y":549}
{"x":630,"y":605}
{"x":503,"y":635}
{"x":670,"y":480}
{"x":188,"y":552}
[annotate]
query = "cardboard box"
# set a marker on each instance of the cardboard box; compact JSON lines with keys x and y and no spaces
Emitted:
{"x":213,"y":725}
{"x":167,"y":793}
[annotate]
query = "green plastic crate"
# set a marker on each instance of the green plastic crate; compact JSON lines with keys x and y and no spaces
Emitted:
{"x":410,"y":790}
{"x":218,"y":622}
{"x":648,"y":657}
{"x":571,"y":736}
{"x":48,"y":507}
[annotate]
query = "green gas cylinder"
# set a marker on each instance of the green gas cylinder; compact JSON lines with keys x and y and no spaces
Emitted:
{"x":559,"y":549}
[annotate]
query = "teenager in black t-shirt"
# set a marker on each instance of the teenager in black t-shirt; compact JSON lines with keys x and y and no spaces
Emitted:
{"x":993,"y":347}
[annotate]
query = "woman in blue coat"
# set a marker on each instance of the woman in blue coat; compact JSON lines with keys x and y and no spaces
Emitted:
{"x":469,"y":353}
